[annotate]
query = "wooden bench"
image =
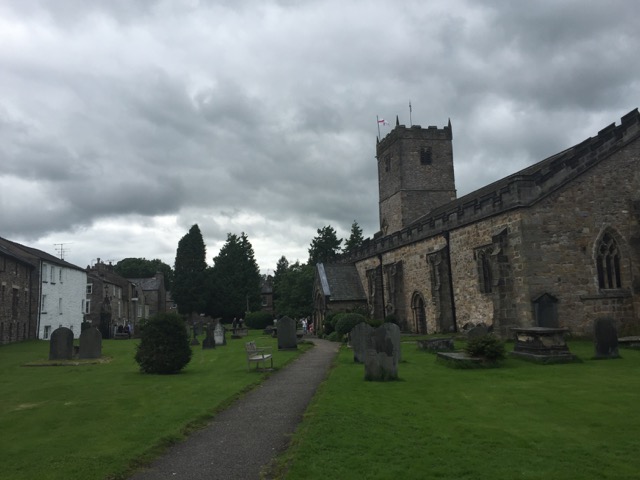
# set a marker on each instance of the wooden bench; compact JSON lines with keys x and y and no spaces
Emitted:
{"x":257,"y":355}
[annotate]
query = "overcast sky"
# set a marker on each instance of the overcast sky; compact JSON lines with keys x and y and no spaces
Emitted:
{"x":123,"y":123}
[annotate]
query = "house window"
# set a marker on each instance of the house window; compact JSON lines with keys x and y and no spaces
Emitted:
{"x":44,"y":273}
{"x":82,"y":307}
{"x":88,"y":307}
{"x":59,"y":306}
{"x":608,"y":263}
{"x":60,"y":275}
{"x":47,"y":332}
{"x":44,"y":304}
{"x":53,"y":274}
{"x":89,"y":288}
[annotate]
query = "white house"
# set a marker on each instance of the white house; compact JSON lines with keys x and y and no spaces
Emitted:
{"x":62,"y":288}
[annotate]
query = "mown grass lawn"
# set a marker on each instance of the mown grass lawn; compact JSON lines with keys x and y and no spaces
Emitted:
{"x":521,"y":421}
{"x":97,"y":421}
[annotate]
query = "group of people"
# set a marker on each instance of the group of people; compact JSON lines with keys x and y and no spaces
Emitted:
{"x":307,"y":326}
{"x":236,"y":324}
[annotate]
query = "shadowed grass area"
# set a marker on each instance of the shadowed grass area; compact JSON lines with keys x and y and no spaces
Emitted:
{"x":97,"y":421}
{"x":521,"y":421}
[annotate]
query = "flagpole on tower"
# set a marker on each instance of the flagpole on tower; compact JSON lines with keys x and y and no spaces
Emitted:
{"x":378,"y":124}
{"x":410,"y":121}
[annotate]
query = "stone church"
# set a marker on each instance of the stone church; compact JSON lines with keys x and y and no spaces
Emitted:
{"x":556,"y":244}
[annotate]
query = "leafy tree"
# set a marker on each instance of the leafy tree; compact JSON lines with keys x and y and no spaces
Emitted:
{"x":189,"y":282}
{"x":164,"y":344}
{"x":234,"y":279}
{"x":143,"y":268}
{"x":355,"y":239}
{"x":293,"y":289}
{"x":325,"y":247}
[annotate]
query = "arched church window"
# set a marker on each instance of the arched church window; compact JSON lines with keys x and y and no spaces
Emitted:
{"x":608,"y":263}
{"x":485,"y":277}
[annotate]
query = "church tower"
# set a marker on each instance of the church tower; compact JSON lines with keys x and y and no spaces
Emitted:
{"x":415,"y":174}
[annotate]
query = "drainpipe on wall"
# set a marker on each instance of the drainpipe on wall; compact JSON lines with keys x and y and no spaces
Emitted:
{"x":384,"y":307}
{"x":453,"y":300}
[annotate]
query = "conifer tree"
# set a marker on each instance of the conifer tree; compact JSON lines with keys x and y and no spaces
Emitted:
{"x":325,"y":247}
{"x":355,"y":239}
{"x":189,"y":273}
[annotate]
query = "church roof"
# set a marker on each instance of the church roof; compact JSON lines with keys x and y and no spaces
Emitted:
{"x":340,"y":282}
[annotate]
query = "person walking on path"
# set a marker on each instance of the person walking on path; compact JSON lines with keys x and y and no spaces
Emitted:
{"x":251,"y":432}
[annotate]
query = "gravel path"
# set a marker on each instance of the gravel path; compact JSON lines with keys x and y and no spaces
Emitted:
{"x":242,"y":439}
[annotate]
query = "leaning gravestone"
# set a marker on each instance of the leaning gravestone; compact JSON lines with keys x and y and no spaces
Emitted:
{"x":90,"y":343}
{"x":287,"y":338}
{"x":61,"y":344}
{"x":383,"y":353}
{"x":605,"y":338}
{"x":219,"y":334}
{"x":209,"y":340}
{"x":359,"y":335}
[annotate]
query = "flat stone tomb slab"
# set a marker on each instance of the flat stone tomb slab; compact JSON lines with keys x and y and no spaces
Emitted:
{"x":542,"y":345}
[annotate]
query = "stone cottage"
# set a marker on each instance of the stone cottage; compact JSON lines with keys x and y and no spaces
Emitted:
{"x":555,"y":244}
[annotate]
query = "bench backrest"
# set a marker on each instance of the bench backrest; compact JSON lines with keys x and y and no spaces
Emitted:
{"x":250,"y":347}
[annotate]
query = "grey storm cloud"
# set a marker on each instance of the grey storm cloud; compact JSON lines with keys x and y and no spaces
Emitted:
{"x":131,"y":121}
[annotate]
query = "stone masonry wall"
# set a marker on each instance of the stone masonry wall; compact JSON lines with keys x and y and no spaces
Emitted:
{"x":563,"y":231}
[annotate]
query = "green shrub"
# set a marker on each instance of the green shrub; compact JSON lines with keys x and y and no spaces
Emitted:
{"x":334,"y":337}
{"x":488,"y":347}
{"x":258,"y":320}
{"x":347,"y":321}
{"x":329,"y":324}
{"x":164,"y":344}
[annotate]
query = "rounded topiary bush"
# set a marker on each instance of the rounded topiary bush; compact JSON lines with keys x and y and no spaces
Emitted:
{"x":329,"y":324}
{"x":346,"y":321}
{"x":164,"y":344}
{"x":488,"y":347}
{"x":258,"y":320}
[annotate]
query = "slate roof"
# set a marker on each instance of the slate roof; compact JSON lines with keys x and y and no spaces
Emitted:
{"x":151,"y":283}
{"x":33,"y":255}
{"x":340,"y":282}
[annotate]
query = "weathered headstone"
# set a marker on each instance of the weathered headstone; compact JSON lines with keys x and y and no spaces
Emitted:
{"x":436,"y":344}
{"x":209,"y":340}
{"x":605,"y":338}
{"x":393,"y":331}
{"x":61,"y":344}
{"x":194,"y":340}
{"x":219,"y":334}
{"x":90,"y":343}
{"x":383,"y":353}
{"x":479,"y":330}
{"x":287,"y":339}
{"x":359,"y":335}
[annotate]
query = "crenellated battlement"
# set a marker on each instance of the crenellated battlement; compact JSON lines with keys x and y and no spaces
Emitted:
{"x":414,"y":132}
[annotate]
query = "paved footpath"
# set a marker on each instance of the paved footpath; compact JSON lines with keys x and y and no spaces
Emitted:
{"x":243,"y":438}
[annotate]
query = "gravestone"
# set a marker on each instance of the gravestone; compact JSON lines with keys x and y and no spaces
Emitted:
{"x":61,"y":344}
{"x":209,"y":340}
{"x":479,"y":330}
{"x":605,"y":338}
{"x":545,"y":309}
{"x":194,"y":340}
{"x":219,"y":334}
{"x":383,"y":353}
{"x":287,"y":339}
{"x":436,"y":344}
{"x":393,"y":331}
{"x":90,"y":343}
{"x":359,"y":335}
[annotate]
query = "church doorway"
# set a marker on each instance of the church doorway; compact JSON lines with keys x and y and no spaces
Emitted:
{"x":419,"y":315}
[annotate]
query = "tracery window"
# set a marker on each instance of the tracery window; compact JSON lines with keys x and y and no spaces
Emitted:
{"x":608,"y":263}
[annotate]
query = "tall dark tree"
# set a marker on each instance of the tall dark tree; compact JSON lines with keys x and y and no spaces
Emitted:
{"x":325,"y":247}
{"x":235,"y":279}
{"x":189,"y":283}
{"x":355,"y":239}
{"x":292,"y":290}
{"x":143,"y":268}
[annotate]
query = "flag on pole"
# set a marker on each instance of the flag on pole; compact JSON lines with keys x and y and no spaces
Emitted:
{"x":382,"y":121}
